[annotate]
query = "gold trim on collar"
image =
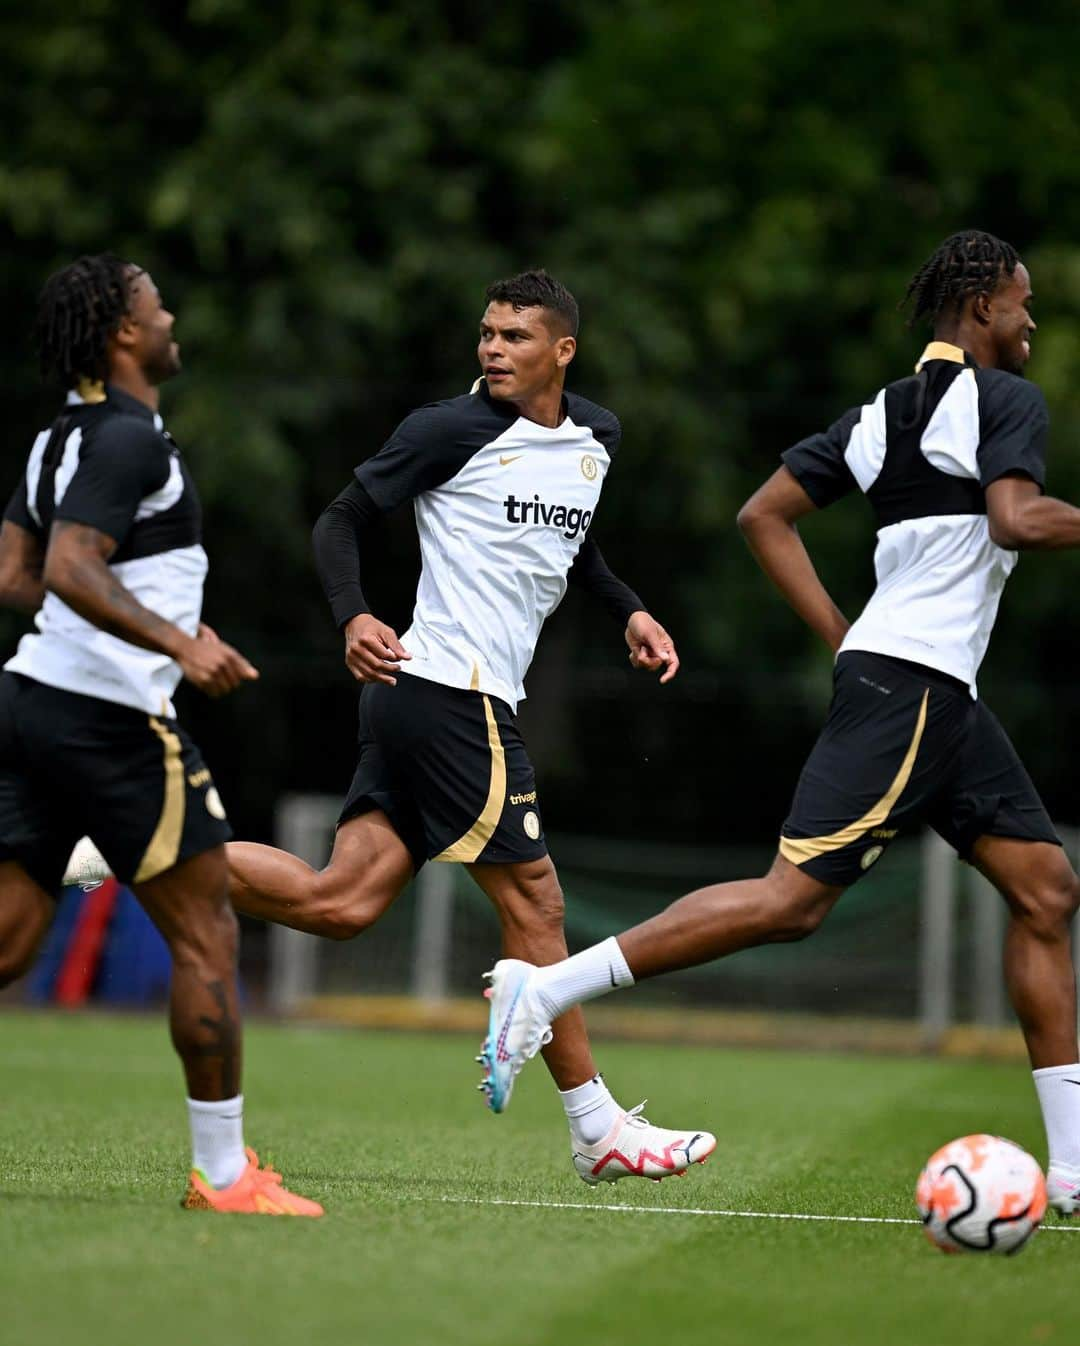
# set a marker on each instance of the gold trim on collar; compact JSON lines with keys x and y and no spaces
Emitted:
{"x":942,"y":350}
{"x":90,"y":390}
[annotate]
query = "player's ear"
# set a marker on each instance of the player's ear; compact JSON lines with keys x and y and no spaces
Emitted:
{"x":125,"y":334}
{"x":980,"y":307}
{"x":565,"y":350}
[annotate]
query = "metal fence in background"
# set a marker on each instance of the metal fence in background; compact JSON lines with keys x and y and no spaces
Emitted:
{"x":918,"y":939}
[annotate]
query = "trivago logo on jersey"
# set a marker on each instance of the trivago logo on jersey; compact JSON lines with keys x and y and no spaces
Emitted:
{"x":573,"y":522}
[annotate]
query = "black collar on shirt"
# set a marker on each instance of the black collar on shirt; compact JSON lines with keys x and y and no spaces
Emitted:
{"x":125,"y":402}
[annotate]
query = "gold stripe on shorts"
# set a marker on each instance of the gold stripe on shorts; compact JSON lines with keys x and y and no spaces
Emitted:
{"x":800,"y":849}
{"x":477,"y":837}
{"x":164,"y":847}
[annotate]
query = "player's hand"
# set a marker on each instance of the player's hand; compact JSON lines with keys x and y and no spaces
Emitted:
{"x":213,"y":666}
{"x":372,"y":650}
{"x":650,"y":646}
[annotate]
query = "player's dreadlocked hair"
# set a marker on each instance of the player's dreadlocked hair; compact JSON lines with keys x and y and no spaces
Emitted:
{"x":536,"y":289}
{"x":79,"y":309}
{"x":970,"y":262}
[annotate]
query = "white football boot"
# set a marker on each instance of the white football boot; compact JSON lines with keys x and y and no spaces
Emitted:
{"x":86,"y":867}
{"x":634,"y":1148}
{"x":1063,"y":1189}
{"x":517,"y":1029}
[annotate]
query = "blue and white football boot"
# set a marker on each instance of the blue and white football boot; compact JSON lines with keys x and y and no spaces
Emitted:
{"x":517,"y":1029}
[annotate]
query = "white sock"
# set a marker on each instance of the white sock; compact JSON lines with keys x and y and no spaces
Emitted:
{"x":590,"y":1110}
{"x":217,"y":1139}
{"x":1058,"y":1088}
{"x":585,"y":976}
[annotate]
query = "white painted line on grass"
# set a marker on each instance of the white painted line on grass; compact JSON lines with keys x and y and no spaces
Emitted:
{"x":706,"y":1211}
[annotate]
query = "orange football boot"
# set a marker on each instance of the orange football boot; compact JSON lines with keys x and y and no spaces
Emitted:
{"x":257,"y":1191}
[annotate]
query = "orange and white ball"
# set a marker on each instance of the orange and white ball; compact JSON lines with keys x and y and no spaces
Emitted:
{"x":981,"y":1194}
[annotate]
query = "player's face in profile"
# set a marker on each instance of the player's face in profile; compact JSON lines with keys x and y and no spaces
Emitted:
{"x":1011,"y":323}
{"x":157,"y":353}
{"x":519,"y":354}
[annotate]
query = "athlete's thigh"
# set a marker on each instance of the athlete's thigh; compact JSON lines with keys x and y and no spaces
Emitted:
{"x":990,"y":794}
{"x":369,"y":858}
{"x":888,"y":745}
{"x":26,"y":912}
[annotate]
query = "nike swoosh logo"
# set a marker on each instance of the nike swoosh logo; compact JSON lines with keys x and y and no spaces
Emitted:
{"x":1072,"y":1081}
{"x":505,"y":462}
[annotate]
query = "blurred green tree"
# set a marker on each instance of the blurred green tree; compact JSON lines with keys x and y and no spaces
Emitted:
{"x":737,"y":194}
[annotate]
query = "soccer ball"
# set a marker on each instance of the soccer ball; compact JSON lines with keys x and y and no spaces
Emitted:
{"x":981,"y":1194}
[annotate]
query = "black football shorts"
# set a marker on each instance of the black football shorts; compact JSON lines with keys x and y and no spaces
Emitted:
{"x":449,"y":769}
{"x":74,"y":765}
{"x":904,"y":745}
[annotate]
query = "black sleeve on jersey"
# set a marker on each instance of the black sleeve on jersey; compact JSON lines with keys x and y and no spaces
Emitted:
{"x":1013,"y":423}
{"x":18,"y":510}
{"x":590,"y":572}
{"x":817,"y":463}
{"x":124,"y":461}
{"x":429,"y":447}
{"x":336,"y":538}
{"x":603,"y":423}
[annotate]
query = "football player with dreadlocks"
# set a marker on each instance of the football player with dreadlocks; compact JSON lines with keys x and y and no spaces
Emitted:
{"x":951,"y":460}
{"x":102,"y":540}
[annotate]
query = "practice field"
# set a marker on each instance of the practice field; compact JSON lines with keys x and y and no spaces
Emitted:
{"x":446,"y":1225}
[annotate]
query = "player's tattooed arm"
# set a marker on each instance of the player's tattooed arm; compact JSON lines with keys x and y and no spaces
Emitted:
{"x":77,"y":571}
{"x":768,"y":522}
{"x":22,"y":561}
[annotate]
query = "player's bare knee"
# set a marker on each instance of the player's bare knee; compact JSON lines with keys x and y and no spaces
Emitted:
{"x":208,"y":940}
{"x":343,"y":913}
{"x":342,"y":919}
{"x":539,"y":908}
{"x":1047,"y":910}
{"x":796,"y":913}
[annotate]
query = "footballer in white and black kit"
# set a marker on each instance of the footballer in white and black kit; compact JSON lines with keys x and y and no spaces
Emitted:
{"x":102,"y":544}
{"x":907,"y":740}
{"x":89,"y":741}
{"x":951,"y":460}
{"x":505,"y":482}
{"x":503,"y":507}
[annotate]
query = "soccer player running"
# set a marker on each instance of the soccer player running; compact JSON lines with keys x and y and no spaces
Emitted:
{"x":102,"y":540}
{"x":952,"y":463}
{"x":505,"y":482}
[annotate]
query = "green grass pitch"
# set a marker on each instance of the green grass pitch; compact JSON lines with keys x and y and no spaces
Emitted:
{"x":387,"y":1131}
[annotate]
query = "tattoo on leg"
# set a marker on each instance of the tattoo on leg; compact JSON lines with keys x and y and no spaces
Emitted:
{"x":223,"y":1039}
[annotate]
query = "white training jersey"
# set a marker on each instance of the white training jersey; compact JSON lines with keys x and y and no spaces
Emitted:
{"x":109,"y":464}
{"x":502,"y":506}
{"x":923,"y":453}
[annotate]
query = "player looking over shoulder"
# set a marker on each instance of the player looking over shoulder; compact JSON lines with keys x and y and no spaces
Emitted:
{"x":951,"y":460}
{"x":102,"y":540}
{"x":504,"y":482}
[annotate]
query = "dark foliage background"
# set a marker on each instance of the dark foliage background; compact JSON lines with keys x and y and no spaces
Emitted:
{"x":737,"y":194}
